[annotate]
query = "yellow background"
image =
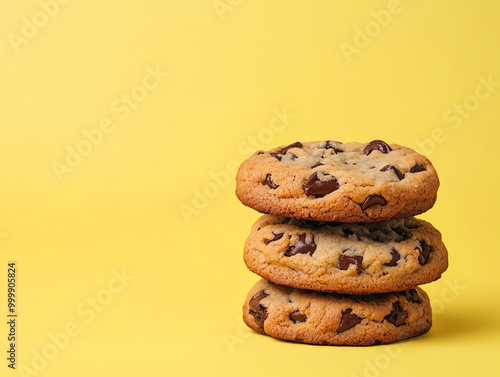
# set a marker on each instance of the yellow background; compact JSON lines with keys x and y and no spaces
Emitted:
{"x":228,"y":72}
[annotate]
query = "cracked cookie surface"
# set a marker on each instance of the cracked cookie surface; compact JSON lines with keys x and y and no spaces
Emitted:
{"x":346,"y":258}
{"x":328,"y":318}
{"x":332,"y":181}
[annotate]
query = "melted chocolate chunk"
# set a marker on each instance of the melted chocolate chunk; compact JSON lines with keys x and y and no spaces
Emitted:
{"x":260,"y":152}
{"x":297,"y":144}
{"x":412,"y":296}
{"x":376,"y":145}
{"x":314,"y":186}
{"x":417,"y":168}
{"x":372,"y":200}
{"x":398,"y":316}
{"x":279,"y":155}
{"x":270,"y":183}
{"x":345,"y":261}
{"x":316,"y":165}
{"x":276,"y":238}
{"x":297,"y":316}
{"x":328,"y":145}
{"x":395,"y":257}
{"x":348,"y":320}
{"x":258,"y":311}
{"x":395,"y":170}
{"x":301,"y":247}
{"x":424,"y":251}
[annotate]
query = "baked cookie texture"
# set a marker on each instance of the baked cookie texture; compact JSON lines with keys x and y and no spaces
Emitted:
{"x":329,"y":318}
{"x":332,"y":181}
{"x":346,"y":258}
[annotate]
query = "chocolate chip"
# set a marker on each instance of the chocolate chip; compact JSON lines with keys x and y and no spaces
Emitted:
{"x":417,"y":168}
{"x":293,"y":157}
{"x":329,"y":145}
{"x":314,"y":186}
{"x":279,"y":155}
{"x":398,"y":316}
{"x":395,"y":258}
{"x":301,"y":247}
{"x":348,"y":320}
{"x":316,"y":165}
{"x":378,"y":145}
{"x":270,"y":183}
{"x":260,"y":152}
{"x":276,"y":238}
{"x":395,"y":170}
{"x":297,"y":144}
{"x":424,"y":251}
{"x":345,"y":261}
{"x":258,"y":311}
{"x":412,"y":296}
{"x":372,"y":200}
{"x":297,"y":316}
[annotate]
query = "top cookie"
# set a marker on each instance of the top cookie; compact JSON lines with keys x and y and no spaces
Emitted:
{"x":332,"y":181}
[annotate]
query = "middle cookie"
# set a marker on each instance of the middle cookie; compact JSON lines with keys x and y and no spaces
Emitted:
{"x":364,"y":258}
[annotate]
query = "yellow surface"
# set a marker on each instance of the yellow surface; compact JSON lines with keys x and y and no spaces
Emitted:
{"x":204,"y":81}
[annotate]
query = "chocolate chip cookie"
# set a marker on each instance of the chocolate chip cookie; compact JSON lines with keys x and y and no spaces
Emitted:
{"x":332,"y":181}
{"x":346,"y":258}
{"x":329,"y":318}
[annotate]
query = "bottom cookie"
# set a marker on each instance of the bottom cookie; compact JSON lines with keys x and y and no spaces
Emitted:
{"x":328,"y":318}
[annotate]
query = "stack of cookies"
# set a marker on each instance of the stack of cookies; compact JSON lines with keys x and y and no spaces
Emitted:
{"x":339,"y":251}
